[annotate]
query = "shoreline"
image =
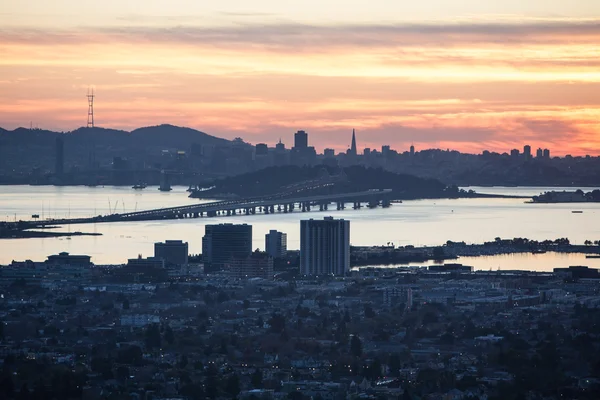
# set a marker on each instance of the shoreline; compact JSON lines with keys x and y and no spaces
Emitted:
{"x":39,"y":234}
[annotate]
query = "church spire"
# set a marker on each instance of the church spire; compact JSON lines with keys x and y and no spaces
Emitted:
{"x":353,"y":147}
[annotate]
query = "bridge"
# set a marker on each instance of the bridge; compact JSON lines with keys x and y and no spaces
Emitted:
{"x":280,"y":203}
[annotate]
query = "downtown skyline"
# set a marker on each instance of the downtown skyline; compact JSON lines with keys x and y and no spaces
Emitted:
{"x":465,"y":76}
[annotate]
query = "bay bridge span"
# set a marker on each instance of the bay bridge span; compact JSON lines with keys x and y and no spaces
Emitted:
{"x":279,"y":203}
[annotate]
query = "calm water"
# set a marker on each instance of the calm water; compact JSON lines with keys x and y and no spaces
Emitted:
{"x":422,"y":222}
{"x":521,"y":261}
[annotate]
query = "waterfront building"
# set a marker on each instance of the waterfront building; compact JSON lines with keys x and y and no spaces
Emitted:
{"x":223,"y":242}
{"x":324,"y":246}
{"x":149,"y":262}
{"x":276,"y":243}
{"x":256,"y":265}
{"x":173,"y":252}
{"x":65,"y":258}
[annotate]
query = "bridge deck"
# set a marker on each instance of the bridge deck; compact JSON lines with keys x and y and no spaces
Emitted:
{"x":269,"y":201}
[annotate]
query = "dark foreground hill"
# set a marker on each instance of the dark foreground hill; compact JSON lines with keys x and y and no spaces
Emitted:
{"x":324,"y":179}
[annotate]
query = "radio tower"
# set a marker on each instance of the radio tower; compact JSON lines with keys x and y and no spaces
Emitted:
{"x":90,"y":120}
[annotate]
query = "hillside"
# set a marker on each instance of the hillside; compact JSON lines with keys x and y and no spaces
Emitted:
{"x":28,"y":149}
{"x":323,"y":179}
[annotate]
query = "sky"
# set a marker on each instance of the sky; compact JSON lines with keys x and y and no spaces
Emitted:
{"x":467,"y":75}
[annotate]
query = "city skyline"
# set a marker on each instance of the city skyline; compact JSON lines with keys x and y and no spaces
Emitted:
{"x":466,"y":76}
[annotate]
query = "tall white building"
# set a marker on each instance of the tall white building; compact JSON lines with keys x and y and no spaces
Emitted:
{"x":276,"y":243}
{"x":324,"y":246}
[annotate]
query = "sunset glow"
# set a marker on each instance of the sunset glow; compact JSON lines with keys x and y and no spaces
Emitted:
{"x":467,"y":78}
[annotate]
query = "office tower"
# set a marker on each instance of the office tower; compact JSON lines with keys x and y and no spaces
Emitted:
{"x":59,"y":167}
{"x":385,"y":150}
{"x":261,"y":149}
{"x":300,"y":140}
{"x":367,"y":151}
{"x":255,"y":265}
{"x":221,"y":243}
{"x":173,"y":252}
{"x":329,"y":153}
{"x":539,"y":153}
{"x":276,"y":244}
{"x":324,"y":246}
{"x":514,"y":153}
{"x":527,"y":151}
{"x":546,"y":153}
{"x":280,"y":146}
{"x":412,"y":150}
{"x":353,"y":150}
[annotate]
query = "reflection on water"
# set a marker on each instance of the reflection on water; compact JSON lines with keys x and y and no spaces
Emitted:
{"x":422,"y":222}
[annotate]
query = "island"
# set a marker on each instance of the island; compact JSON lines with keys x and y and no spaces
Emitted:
{"x":577,"y":196}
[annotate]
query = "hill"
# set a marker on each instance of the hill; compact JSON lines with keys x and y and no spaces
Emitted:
{"x":30,"y":149}
{"x":323,"y":179}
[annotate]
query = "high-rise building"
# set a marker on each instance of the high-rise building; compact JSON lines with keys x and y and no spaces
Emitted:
{"x":280,"y":146}
{"x":221,"y":243}
{"x":276,"y":243}
{"x":255,"y":265}
{"x":300,"y":140}
{"x":261,"y":149}
{"x":539,"y":153}
{"x":353,"y":151}
{"x":59,"y":167}
{"x":324,"y":246}
{"x":412,"y":150}
{"x":173,"y":252}
{"x":514,"y":153}
{"x":385,"y":150}
{"x":546,"y":153}
{"x":527,"y":151}
{"x":367,"y":151}
{"x":329,"y":153}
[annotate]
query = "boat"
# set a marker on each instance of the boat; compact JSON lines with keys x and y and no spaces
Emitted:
{"x":139,"y":186}
{"x":538,"y":252}
{"x":592,"y":256}
{"x":577,"y":212}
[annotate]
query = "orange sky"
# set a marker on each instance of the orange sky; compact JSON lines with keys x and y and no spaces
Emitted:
{"x":471,"y":83}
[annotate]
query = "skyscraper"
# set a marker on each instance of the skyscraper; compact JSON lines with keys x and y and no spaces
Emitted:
{"x":353,"y":150}
{"x":276,"y":243}
{"x":539,"y":153}
{"x":412,"y":150}
{"x":221,"y":243}
{"x":300,"y":140}
{"x":59,"y":167}
{"x":546,"y":153}
{"x":324,"y":246}
{"x":527,"y":151}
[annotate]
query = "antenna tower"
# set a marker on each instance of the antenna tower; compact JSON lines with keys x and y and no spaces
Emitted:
{"x":90,"y":119}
